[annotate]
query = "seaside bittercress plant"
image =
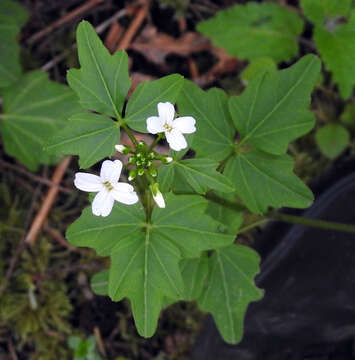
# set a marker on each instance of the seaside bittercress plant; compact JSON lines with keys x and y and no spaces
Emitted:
{"x":178,"y":242}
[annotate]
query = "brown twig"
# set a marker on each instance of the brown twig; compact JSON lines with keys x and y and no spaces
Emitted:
{"x":113,"y":36}
{"x":99,"y":29}
{"x":47,"y":202}
{"x":12,"y":351}
{"x":193,"y":68}
{"x":70,"y":16}
{"x":58,"y":237}
{"x":99,"y":341}
{"x":33,"y":177}
{"x":133,"y":27}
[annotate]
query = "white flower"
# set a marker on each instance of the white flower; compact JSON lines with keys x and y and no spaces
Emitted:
{"x":120,"y":148}
{"x":173,"y":128}
{"x":157,"y":195}
{"x":169,"y":159}
{"x":107,"y":186}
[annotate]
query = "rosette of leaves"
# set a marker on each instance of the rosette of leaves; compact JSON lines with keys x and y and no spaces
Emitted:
{"x":186,"y":251}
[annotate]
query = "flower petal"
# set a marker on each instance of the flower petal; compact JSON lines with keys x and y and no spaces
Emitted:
{"x":111,"y":171}
{"x":124,"y":197}
{"x":176,"y":140}
{"x":88,"y":182}
{"x":123,"y":187}
{"x":159,"y":199}
{"x":166,"y":111}
{"x":103,"y":203}
{"x":155,"y":124}
{"x":186,"y":124}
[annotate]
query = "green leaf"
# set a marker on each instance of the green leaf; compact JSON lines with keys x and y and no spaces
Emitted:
{"x":214,"y":136}
{"x":145,"y":256}
{"x":34,"y":109}
{"x":90,"y":136}
{"x":225,"y":215}
{"x":337,"y":49}
{"x":255,"y":30}
{"x":11,"y":11}
{"x":12,"y":17}
{"x":102,"y":82}
{"x":319,"y":11}
{"x":273,"y":110}
{"x":263,"y":180}
{"x":99,"y":283}
{"x":258,"y":67}
{"x":144,"y":101}
{"x":194,"y":273}
{"x":10,"y":67}
{"x":231,"y":288}
{"x":332,"y":140}
{"x":348,"y":116}
{"x":192,"y":175}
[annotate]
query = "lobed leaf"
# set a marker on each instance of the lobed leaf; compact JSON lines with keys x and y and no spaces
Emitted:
{"x":320,"y":11}
{"x":11,"y":11}
{"x":90,"y":136}
{"x":194,"y":273}
{"x":34,"y":108}
{"x":145,"y":256}
{"x":255,"y":30}
{"x":12,"y":17}
{"x":143,"y":103}
{"x":230,"y":289}
{"x":257,"y":68}
{"x":213,"y":122}
{"x":227,"y":216}
{"x":273,"y":110}
{"x":193,"y":175}
{"x":99,"y":283}
{"x":102,"y":82}
{"x":263,"y":180}
{"x":332,"y":140}
{"x":336,"y":46}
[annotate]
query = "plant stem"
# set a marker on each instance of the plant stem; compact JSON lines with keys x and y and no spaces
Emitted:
{"x":321,"y":224}
{"x":129,"y":133}
{"x":160,"y":136}
{"x":252,"y":225}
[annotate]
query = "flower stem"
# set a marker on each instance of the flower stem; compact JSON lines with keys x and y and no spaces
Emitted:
{"x":293,"y":219}
{"x":160,"y":136}
{"x":321,"y":224}
{"x":130,"y":134}
{"x":253,"y":225}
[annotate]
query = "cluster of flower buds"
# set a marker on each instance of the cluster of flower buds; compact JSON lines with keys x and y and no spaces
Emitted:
{"x":142,"y":158}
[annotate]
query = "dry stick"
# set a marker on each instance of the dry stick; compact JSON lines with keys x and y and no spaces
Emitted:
{"x":58,"y":237}
{"x":34,"y":177}
{"x":72,"y":15}
{"x":113,"y":36}
{"x":99,"y":29}
{"x":133,"y":27}
{"x":99,"y":341}
{"x":12,"y":351}
{"x":47,"y":202}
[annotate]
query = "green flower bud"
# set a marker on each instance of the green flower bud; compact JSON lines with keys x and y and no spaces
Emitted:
{"x":153,"y":172}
